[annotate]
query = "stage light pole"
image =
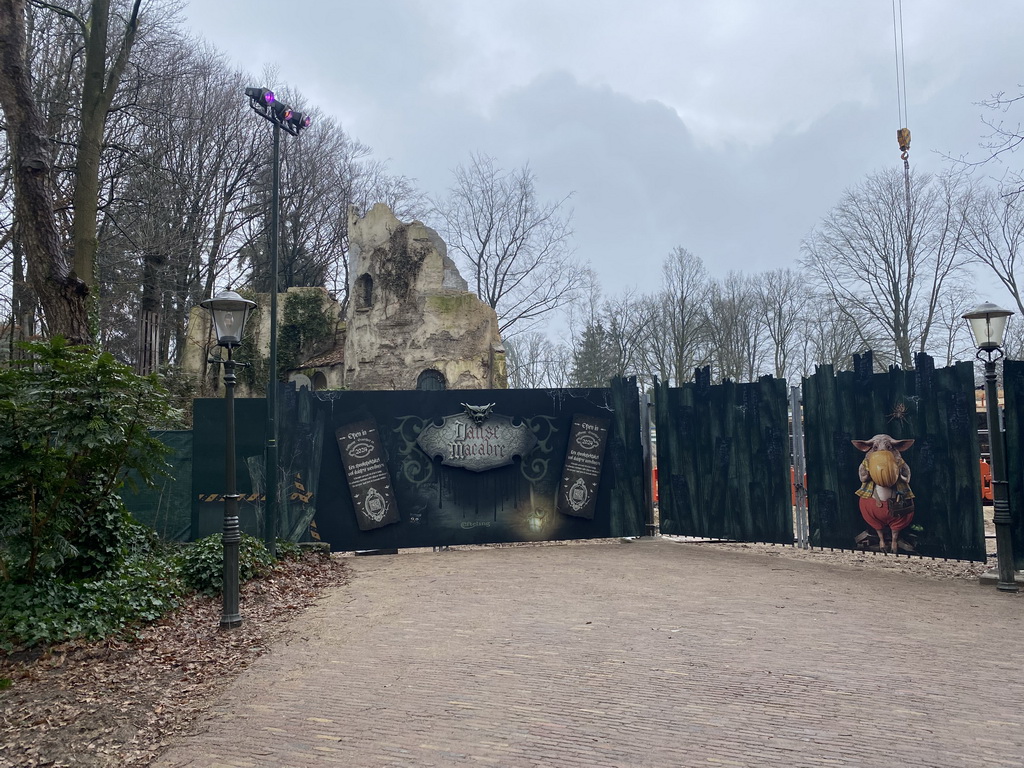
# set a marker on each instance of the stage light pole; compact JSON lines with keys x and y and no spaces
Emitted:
{"x":988,"y":323}
{"x":229,"y":311}
{"x":266,"y":105}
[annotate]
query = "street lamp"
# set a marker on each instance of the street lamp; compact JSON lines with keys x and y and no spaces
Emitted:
{"x":230,"y":311}
{"x":988,"y":323}
{"x":265,"y":104}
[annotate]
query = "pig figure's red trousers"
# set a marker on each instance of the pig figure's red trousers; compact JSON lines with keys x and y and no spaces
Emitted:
{"x":879,"y":517}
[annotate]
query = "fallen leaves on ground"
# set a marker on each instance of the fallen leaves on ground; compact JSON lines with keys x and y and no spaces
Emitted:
{"x":118,"y":702}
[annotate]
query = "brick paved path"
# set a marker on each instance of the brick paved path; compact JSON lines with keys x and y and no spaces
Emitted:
{"x":644,"y":654}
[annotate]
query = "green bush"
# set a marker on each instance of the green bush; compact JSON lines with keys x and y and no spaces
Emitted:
{"x":202,"y":564}
{"x":143,"y":589}
{"x":73,"y":421}
{"x":288,"y":550}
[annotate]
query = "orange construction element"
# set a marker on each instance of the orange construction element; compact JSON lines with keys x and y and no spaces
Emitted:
{"x":986,"y":481}
{"x":792,"y":485}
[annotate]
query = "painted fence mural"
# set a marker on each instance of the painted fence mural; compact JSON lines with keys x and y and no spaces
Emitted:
{"x":892,"y":460}
{"x":382,"y":470}
{"x":723,"y":460}
{"x":892,"y":463}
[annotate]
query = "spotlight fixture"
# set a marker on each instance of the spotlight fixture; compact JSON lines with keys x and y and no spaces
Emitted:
{"x":300,"y":120}
{"x":282,"y":112}
{"x":260,"y":95}
{"x":265,"y":104}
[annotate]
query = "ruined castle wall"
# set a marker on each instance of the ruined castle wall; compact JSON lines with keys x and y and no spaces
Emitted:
{"x":410,"y":311}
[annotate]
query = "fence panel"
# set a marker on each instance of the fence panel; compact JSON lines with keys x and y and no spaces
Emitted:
{"x":723,"y":460}
{"x":935,"y":409}
{"x":167,"y":507}
{"x":1013,"y":417}
{"x":383,"y":470}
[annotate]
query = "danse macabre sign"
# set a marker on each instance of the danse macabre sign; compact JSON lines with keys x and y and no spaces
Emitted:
{"x":476,"y":439}
{"x":368,"y":479}
{"x":577,"y":495}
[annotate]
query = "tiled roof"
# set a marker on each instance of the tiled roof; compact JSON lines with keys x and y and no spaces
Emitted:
{"x":334,"y":356}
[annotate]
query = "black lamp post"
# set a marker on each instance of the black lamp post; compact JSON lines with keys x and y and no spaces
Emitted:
{"x":265,"y":104}
{"x":988,"y":323}
{"x":230,"y":311}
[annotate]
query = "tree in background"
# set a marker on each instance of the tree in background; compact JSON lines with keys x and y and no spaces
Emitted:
{"x":184,"y":186}
{"x":995,"y":236}
{"x":185,"y":208}
{"x":593,"y":360}
{"x":825,"y":337}
{"x":61,"y":269}
{"x":516,"y":249}
{"x":535,"y":362}
{"x":886,"y":268}
{"x":736,"y":345}
{"x":780,"y":299}
{"x":677,"y":343}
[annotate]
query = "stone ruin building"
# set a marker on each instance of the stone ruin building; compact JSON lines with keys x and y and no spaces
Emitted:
{"x":411,"y":320}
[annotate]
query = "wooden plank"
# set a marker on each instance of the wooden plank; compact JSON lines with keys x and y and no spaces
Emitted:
{"x":723,"y":463}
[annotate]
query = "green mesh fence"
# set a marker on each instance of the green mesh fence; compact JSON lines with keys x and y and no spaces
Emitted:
{"x":166,"y":508}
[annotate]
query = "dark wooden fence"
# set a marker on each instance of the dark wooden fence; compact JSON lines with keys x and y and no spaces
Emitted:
{"x":1013,"y":410}
{"x":723,"y":460}
{"x":428,"y":503}
{"x":934,"y":407}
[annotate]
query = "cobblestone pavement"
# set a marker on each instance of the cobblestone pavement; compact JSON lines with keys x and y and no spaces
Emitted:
{"x":649,"y":653}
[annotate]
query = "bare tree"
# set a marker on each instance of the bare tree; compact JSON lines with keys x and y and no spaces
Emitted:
{"x":678,"y":339}
{"x":995,"y":236}
{"x":826,"y":337}
{"x":1005,"y":136}
{"x":886,"y":267}
{"x":629,"y":320}
{"x":536,"y":362}
{"x":184,"y":211}
{"x":736,"y":332}
{"x":516,"y":248}
{"x":781,"y":296}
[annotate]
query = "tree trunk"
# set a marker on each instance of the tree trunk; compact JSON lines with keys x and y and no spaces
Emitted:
{"x":61,"y":294}
{"x":149,"y":314}
{"x":98,"y":88}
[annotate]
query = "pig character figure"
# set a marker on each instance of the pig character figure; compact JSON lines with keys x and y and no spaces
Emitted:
{"x":886,"y":500}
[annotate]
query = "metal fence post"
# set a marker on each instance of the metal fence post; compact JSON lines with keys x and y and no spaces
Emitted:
{"x":645,"y":425}
{"x":799,"y":466}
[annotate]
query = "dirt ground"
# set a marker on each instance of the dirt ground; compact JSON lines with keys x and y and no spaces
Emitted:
{"x":119,"y":702}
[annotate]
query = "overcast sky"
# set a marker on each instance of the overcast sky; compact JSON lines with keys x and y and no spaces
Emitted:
{"x":728,"y":127}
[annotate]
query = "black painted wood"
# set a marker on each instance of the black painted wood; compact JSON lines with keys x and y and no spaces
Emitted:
{"x":723,"y":460}
{"x":1013,"y":417}
{"x":933,"y":406}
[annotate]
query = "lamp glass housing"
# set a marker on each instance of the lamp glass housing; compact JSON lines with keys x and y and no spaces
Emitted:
{"x":988,"y":324}
{"x":230,"y":313}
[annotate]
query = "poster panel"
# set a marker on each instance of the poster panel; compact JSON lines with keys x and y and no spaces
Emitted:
{"x":581,"y":472}
{"x":369,"y":482}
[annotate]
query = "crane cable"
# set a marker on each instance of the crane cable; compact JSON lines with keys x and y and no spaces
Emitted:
{"x":903,"y":134}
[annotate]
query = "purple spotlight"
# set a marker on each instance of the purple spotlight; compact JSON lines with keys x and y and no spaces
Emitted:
{"x":300,"y":120}
{"x":260,"y":95}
